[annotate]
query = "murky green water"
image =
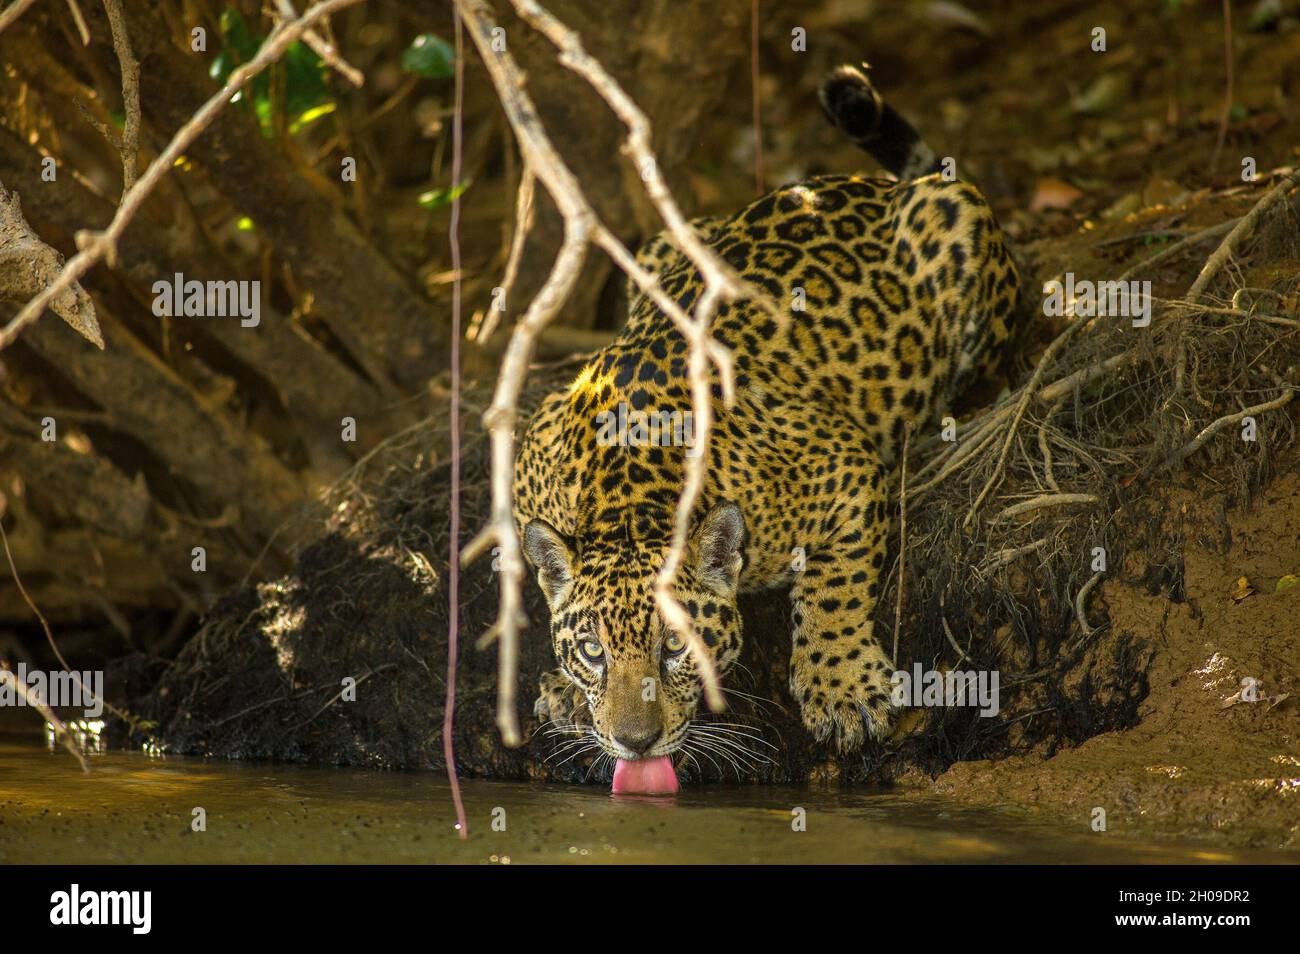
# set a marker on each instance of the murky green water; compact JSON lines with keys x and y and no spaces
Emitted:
{"x":137,"y":808}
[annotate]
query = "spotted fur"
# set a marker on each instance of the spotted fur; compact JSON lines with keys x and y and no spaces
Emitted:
{"x":907,"y":292}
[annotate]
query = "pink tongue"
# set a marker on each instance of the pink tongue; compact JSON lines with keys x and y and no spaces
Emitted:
{"x":645,"y":777}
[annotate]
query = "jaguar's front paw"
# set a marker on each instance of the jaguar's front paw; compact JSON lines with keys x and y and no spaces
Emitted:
{"x":843,"y":699}
{"x":560,"y":700}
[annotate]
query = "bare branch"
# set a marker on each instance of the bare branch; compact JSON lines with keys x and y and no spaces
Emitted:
{"x":523,"y":224}
{"x":60,"y":730}
{"x":28,"y":266}
{"x":582,"y":228}
{"x":702,"y":405}
{"x":13,"y":12}
{"x":96,"y":247}
{"x":715,"y":272}
{"x":80,"y":20}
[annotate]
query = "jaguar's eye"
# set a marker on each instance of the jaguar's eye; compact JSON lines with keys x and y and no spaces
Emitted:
{"x":674,"y":644}
{"x":591,"y":650}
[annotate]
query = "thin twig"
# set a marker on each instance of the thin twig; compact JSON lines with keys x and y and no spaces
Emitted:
{"x":1227,"y":93}
{"x":947,"y":631}
{"x":453,"y":533}
{"x":75,"y":9}
{"x":670,"y":607}
{"x":1044,"y":500}
{"x":902,"y":540}
{"x":1230,"y":312}
{"x":500,"y":418}
{"x":1079,"y":602}
{"x":523,"y":225}
{"x":980,"y":438}
{"x":1062,"y":388}
{"x":1044,"y":445}
{"x":1244,"y":227}
{"x":754,"y":82}
{"x":130,"y":92}
{"x":1027,"y":393}
{"x":1164,"y":255}
{"x":1003,"y":557}
{"x":1178,"y":456}
{"x":49,"y":634}
{"x":60,"y":730}
{"x":13,"y":12}
{"x":323,"y":48}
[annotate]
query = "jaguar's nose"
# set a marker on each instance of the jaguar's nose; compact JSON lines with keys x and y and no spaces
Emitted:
{"x":640,"y":744}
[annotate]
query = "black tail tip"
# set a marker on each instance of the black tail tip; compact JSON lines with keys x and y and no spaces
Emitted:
{"x":851,"y":102}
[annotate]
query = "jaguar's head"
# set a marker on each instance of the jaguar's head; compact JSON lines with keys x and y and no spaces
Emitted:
{"x":641,"y":680}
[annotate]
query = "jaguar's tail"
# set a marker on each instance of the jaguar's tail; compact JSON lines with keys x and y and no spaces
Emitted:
{"x":852,"y":104}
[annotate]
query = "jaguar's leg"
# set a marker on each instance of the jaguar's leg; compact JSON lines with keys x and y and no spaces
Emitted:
{"x":839,"y":671}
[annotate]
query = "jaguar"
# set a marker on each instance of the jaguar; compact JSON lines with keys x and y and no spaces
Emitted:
{"x":896,"y":295}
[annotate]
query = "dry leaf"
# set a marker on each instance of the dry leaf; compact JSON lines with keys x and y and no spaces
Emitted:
{"x":1106,"y":91}
{"x":1123,"y":207}
{"x":1242,"y":590}
{"x":954,"y":14}
{"x":1053,"y":194}
{"x":1164,"y":192}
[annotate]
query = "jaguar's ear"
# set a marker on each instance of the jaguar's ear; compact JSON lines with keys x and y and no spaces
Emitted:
{"x":552,"y":555}
{"x":719,"y":544}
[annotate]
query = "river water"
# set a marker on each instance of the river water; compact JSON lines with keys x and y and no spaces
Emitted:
{"x":135,"y":807}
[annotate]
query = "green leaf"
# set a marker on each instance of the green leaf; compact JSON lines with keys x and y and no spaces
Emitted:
{"x":1286,"y":582}
{"x":1265,"y":15}
{"x":305,"y":87}
{"x":221,"y":66}
{"x":430,"y":57}
{"x":437,"y":198}
{"x":237,"y":36}
{"x":306,"y":92}
{"x":311,"y":115}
